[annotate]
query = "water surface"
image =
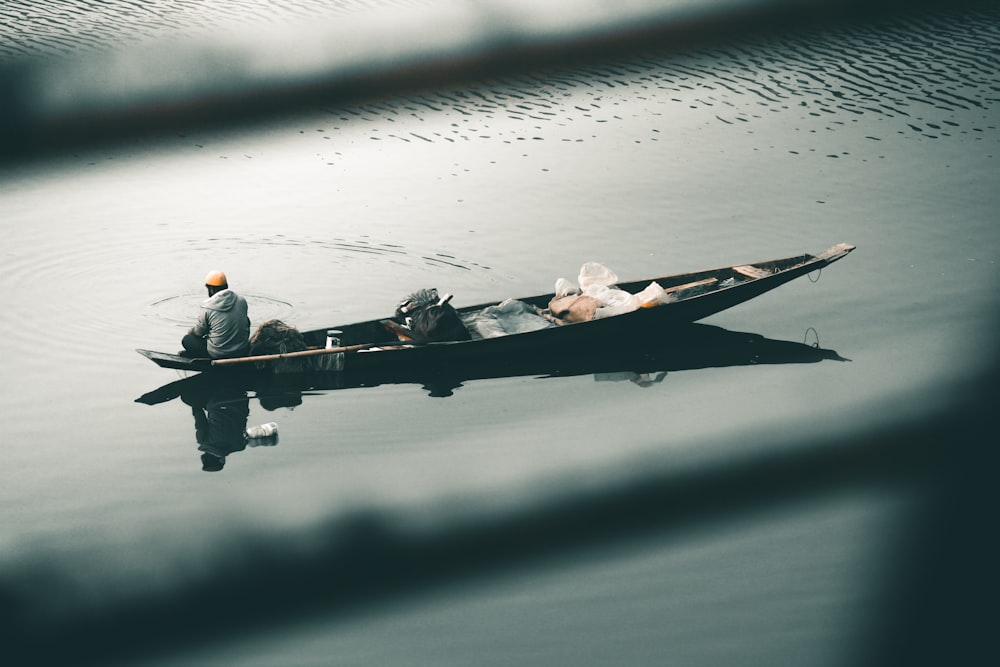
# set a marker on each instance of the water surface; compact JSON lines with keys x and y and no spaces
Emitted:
{"x":882,"y":134}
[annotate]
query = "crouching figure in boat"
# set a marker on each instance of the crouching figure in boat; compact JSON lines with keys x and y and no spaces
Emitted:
{"x":223,"y":327}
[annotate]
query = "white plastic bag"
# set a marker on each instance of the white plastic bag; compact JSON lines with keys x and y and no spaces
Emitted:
{"x":653,"y":295}
{"x":508,"y":317}
{"x":614,"y":301}
{"x":593,"y":274}
{"x":565,"y":288}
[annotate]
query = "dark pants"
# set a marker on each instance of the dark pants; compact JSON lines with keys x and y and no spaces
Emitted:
{"x":195,"y":346}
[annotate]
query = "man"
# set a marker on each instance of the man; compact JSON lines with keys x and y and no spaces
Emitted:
{"x":223,"y":328}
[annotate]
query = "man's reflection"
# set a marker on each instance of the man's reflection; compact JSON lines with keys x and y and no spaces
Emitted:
{"x":220,"y":422}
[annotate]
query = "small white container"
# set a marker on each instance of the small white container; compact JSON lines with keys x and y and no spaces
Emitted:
{"x":262,"y":431}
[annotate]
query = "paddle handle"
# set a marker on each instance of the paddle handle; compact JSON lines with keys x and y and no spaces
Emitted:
{"x":292,"y":355}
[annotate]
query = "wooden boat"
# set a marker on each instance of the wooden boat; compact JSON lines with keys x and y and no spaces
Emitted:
{"x":375,"y":344}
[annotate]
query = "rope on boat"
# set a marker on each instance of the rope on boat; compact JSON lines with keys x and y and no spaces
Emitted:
{"x":805,"y":340}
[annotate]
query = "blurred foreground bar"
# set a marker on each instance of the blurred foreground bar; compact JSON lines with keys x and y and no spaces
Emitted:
{"x":53,"y":105}
{"x":936,"y":604}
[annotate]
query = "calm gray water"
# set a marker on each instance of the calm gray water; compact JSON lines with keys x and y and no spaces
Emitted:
{"x":882,"y":134}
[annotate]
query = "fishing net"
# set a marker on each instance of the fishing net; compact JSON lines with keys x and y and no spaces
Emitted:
{"x":431,"y":317}
{"x":417,"y":301}
{"x":276,"y":337}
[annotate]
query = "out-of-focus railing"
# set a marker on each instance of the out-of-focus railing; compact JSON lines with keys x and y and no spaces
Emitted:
{"x":938,"y":608}
{"x":100,"y":95}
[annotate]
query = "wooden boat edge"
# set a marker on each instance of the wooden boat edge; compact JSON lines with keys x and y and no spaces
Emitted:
{"x":806,"y":263}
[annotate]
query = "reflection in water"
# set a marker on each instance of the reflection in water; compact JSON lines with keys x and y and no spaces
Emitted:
{"x":638,"y":379}
{"x":220,"y":404}
{"x":644,"y":364}
{"x":220,"y":411}
{"x":220,"y":421}
{"x":938,"y":587}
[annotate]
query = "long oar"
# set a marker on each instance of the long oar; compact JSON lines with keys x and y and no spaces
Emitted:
{"x":295,"y":355}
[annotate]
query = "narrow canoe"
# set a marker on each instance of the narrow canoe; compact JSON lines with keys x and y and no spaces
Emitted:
{"x":371,"y":345}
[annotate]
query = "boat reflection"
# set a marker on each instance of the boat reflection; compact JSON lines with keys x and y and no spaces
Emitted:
{"x":219,"y":401}
{"x":644,"y":363}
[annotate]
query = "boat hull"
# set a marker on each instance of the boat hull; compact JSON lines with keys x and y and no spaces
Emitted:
{"x":710,"y":292}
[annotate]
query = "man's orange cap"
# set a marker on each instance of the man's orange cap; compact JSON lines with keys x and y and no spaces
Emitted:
{"x":216,"y":279}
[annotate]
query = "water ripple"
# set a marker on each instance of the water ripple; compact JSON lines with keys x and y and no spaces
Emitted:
{"x":927,"y":75}
{"x":177,"y":310}
{"x":924,"y":75}
{"x":45,"y":28}
{"x":99,"y":286}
